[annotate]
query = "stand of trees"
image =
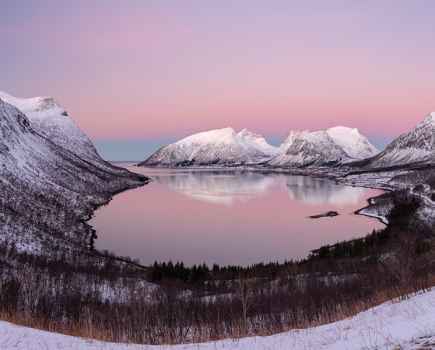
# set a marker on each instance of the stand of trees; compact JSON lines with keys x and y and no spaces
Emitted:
{"x":106,"y":298}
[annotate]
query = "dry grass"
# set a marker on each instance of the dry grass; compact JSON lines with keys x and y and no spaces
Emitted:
{"x":86,"y":328}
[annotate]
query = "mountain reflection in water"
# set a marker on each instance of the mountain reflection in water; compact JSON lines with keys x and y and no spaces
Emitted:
{"x":227,"y":188}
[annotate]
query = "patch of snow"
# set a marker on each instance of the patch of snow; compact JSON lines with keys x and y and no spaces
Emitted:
{"x":373,"y":214}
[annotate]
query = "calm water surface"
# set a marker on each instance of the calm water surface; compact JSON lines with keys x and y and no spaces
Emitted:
{"x":228,"y":217}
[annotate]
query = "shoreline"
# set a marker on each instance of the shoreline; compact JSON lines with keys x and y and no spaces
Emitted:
{"x":320,"y":174}
{"x":90,"y":213}
{"x":141,"y":273}
{"x":380,"y":218}
{"x":329,"y":177}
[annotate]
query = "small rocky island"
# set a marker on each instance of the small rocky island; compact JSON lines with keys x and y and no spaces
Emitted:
{"x":328,"y":214}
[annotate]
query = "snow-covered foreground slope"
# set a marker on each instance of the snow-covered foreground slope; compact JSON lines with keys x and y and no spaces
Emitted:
{"x":324,"y":147}
{"x":418,"y":145}
{"x":50,"y":119}
{"x":214,"y":147}
{"x":409,"y":324}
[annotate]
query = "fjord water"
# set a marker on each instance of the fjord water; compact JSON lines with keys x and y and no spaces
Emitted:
{"x":229,"y":217}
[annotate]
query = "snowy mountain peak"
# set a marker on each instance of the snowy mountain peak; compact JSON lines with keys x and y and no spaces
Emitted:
{"x":46,"y":103}
{"x":258,"y":141}
{"x":33,"y":104}
{"x":429,"y":119}
{"x":415,"y":146}
{"x":246,"y":133}
{"x":300,"y":135}
{"x":343,"y":130}
{"x":47,"y":117}
{"x":323,"y":147}
{"x":214,"y":147}
{"x":224,"y":135}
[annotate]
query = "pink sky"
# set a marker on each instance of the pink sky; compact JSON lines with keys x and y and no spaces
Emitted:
{"x":151,"y":69}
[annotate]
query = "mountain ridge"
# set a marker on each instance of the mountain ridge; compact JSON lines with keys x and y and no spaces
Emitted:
{"x":416,"y":146}
{"x":214,"y":147}
{"x":225,"y":147}
{"x":49,"y":118}
{"x":329,"y":147}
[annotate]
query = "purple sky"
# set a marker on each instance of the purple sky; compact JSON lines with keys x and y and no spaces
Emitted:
{"x":157,"y":70}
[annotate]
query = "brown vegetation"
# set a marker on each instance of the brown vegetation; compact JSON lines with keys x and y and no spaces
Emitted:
{"x":223,"y":302}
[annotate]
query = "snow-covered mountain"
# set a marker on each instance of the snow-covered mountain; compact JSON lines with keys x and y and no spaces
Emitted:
{"x":47,"y":191}
{"x":416,"y":146}
{"x":47,"y":117}
{"x":333,"y":146}
{"x":356,"y":145}
{"x":214,"y":147}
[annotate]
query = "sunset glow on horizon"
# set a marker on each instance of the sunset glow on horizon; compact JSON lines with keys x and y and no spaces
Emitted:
{"x":154,"y":69}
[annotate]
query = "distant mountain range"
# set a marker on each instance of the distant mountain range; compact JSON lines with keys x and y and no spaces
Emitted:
{"x":337,"y":146}
{"x":225,"y":147}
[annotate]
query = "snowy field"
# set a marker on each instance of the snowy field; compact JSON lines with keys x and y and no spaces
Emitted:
{"x":399,"y":325}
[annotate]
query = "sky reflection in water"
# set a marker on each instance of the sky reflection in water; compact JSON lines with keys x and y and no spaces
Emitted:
{"x":229,"y":217}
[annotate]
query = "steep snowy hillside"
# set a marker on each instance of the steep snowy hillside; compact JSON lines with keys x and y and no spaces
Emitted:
{"x":46,"y":190}
{"x":214,"y":147}
{"x":324,"y":147}
{"x":408,"y":325}
{"x":50,"y":119}
{"x":416,"y":146}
